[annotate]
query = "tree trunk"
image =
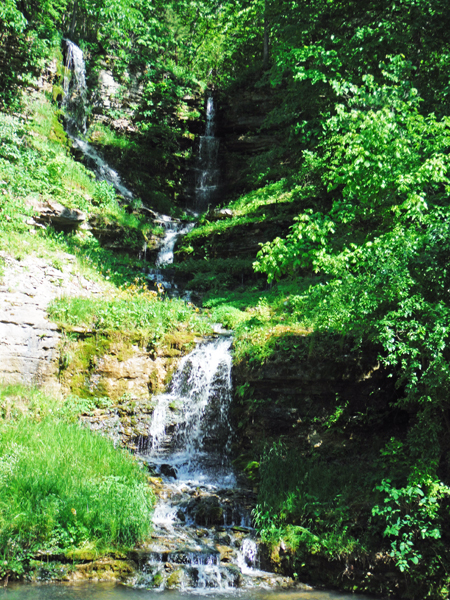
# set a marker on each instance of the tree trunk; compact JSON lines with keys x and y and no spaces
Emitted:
{"x":74,"y":19}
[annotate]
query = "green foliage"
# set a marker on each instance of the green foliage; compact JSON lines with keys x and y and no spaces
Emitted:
{"x":377,"y":251}
{"x":11,"y":17}
{"x":310,"y":503}
{"x":74,"y":489}
{"x":411,"y":515}
{"x":394,"y":194}
{"x":144,"y":313}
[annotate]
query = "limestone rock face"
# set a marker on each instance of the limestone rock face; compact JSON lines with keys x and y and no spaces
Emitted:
{"x":244,"y":133}
{"x":28,"y":340}
{"x":136,"y":376}
{"x":302,"y":383}
{"x":61,"y":217}
{"x":111,"y":94}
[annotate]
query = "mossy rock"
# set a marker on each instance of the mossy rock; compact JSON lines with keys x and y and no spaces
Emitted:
{"x":82,"y":555}
{"x":175,"y":579}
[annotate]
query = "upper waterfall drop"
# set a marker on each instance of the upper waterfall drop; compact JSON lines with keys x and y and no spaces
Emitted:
{"x":75,"y":103}
{"x":207,"y":170}
{"x":75,"y":90}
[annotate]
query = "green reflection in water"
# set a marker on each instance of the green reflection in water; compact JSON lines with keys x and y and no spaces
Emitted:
{"x":119,"y":592}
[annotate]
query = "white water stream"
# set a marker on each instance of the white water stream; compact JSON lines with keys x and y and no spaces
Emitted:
{"x":207,"y":171}
{"x":189,"y":436}
{"x":196,"y":407}
{"x":75,"y":103}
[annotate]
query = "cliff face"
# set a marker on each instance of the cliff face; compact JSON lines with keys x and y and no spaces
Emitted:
{"x":300,"y":388}
{"x":29,"y":342}
{"x":244,"y":134}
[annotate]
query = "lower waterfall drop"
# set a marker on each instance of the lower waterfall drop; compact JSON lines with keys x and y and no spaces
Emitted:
{"x":202,"y":535}
{"x":190,"y":431}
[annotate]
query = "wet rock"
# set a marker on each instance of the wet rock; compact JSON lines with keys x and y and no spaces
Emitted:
{"x":175,"y":579}
{"x":168,"y":471}
{"x":223,"y":538}
{"x":106,"y":569}
{"x":226,"y":553}
{"x":216,"y":215}
{"x":117,"y":237}
{"x":205,"y":510}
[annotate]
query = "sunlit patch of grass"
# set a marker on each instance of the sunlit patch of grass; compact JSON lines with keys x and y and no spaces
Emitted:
{"x":132,"y":312}
{"x":63,"y":487}
{"x":105,"y":136}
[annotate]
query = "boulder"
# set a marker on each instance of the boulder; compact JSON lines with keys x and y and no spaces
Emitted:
{"x":53,"y":213}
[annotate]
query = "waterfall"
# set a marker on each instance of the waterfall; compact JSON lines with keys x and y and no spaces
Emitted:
{"x":75,"y":104}
{"x":202,"y":537}
{"x":197,"y":447}
{"x":75,"y":90}
{"x":174,"y":230}
{"x":207,"y":171}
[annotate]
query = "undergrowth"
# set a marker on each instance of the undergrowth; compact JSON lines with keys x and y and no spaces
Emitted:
{"x":63,"y":486}
{"x":313,"y":505}
{"x":36,"y":167}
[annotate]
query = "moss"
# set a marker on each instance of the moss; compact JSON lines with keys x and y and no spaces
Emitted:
{"x":122,"y":349}
{"x":82,"y":555}
{"x":175,"y":579}
{"x":57,"y":133}
{"x":180,"y":340}
{"x":157,"y":580}
{"x":84,"y":355}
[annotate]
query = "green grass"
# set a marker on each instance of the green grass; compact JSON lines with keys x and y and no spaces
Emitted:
{"x":145,"y":313}
{"x":105,"y":136}
{"x":270,"y":201}
{"x":63,"y":486}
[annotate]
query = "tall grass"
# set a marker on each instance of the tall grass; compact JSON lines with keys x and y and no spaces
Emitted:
{"x":139,"y":313}
{"x":63,"y":487}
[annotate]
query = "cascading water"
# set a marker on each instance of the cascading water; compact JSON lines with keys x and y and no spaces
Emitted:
{"x":75,"y":103}
{"x":173,"y":230}
{"x":75,"y":90}
{"x":202,"y":528}
{"x":202,"y":535}
{"x":207,"y":170}
{"x":197,"y":446}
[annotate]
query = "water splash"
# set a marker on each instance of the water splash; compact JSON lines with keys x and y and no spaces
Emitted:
{"x":247,"y":556}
